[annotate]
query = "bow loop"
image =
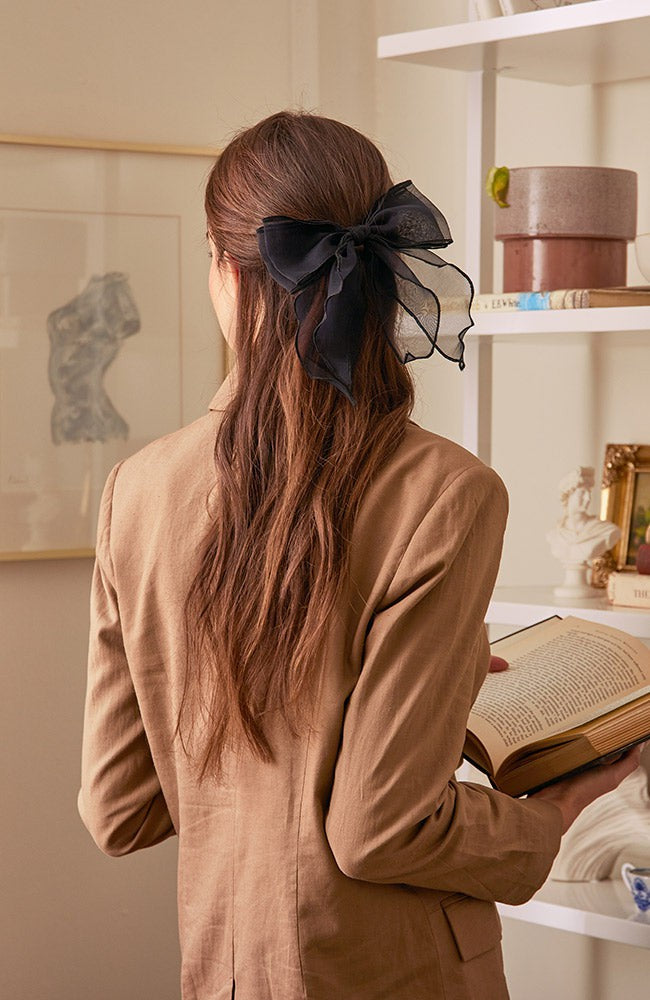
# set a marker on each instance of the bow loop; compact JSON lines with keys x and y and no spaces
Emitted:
{"x":402,"y":227}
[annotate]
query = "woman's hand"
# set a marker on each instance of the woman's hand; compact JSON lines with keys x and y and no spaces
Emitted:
{"x":572,"y":794}
{"x":497,"y":664}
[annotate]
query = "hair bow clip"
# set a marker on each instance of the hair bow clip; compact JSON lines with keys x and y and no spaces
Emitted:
{"x":395,"y":240}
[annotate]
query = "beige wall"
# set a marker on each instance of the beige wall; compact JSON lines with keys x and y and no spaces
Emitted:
{"x":77,"y":924}
{"x":74,"y":923}
{"x":146,"y":71}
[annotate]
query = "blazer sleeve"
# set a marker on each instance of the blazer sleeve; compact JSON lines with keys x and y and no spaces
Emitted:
{"x":120,"y":802}
{"x":396,"y":812}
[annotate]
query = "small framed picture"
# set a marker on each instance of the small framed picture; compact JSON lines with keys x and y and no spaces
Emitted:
{"x":625,"y":500}
{"x":107,"y":336}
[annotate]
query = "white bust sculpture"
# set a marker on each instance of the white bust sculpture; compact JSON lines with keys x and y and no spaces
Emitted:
{"x":579,"y":537}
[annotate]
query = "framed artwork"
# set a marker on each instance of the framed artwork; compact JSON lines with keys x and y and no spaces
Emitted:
{"x":107,"y":336}
{"x":625,"y":500}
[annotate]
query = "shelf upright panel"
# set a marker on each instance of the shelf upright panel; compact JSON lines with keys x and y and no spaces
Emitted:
{"x":477,"y":377}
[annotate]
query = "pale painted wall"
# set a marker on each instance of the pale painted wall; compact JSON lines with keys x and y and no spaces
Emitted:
{"x":144,"y":72}
{"x":77,"y":924}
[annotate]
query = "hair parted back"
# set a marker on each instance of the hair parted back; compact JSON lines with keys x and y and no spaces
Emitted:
{"x":293,"y":457}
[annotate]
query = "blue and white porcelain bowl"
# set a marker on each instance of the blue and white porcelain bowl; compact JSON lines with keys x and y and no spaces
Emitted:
{"x":638,"y":882}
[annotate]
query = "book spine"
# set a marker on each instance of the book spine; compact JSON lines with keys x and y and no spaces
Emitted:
{"x":631,"y":590}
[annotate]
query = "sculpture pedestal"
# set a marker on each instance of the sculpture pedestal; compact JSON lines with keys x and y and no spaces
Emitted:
{"x":575,"y":583}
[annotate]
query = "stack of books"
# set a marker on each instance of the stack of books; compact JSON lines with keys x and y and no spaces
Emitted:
{"x":631,"y":590}
{"x":564,"y":298}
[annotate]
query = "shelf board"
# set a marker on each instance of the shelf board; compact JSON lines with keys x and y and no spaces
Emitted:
{"x":559,"y":321}
{"x":526,"y":605}
{"x":599,"y":42}
{"x":597,"y":909}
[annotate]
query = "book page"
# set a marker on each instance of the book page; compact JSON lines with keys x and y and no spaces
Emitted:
{"x":562,"y":673}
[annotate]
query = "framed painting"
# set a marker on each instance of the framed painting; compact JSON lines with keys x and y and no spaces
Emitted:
{"x":107,"y":336}
{"x":625,"y":500}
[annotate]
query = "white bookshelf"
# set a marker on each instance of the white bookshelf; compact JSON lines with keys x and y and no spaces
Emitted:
{"x":588,"y":43}
{"x":599,"y":42}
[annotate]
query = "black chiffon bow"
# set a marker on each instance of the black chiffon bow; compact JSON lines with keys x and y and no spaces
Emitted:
{"x":434,"y":297}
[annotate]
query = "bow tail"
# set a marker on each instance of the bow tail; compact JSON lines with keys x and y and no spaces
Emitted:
{"x":435,"y":299}
{"x":330,"y":333}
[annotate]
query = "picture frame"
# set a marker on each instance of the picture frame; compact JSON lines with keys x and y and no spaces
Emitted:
{"x":625,"y":500}
{"x":108,"y":339}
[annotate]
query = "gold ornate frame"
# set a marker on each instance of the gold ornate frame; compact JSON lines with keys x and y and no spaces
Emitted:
{"x":61,"y":142}
{"x":623,"y":462}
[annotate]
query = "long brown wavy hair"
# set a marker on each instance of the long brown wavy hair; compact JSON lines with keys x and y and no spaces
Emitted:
{"x":293,"y":456}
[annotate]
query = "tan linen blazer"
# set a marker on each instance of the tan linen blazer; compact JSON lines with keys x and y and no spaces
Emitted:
{"x":355,"y":867}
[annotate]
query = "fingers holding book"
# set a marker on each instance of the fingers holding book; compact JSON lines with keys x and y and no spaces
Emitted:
{"x":572,"y":795}
{"x":573,"y":694}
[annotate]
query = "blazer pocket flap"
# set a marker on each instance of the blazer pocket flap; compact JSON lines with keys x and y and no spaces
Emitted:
{"x":475,"y":925}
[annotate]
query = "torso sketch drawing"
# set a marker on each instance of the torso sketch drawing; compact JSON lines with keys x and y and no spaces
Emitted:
{"x":85,"y":336}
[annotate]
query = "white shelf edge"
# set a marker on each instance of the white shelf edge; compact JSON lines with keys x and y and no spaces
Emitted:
{"x":526,"y":605}
{"x":557,"y":321}
{"x":629,"y":929}
{"x":498,"y":29}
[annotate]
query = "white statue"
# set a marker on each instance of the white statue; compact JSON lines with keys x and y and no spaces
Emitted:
{"x":579,"y":537}
{"x":612,"y":829}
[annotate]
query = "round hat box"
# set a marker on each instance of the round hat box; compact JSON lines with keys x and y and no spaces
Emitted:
{"x":566,"y":227}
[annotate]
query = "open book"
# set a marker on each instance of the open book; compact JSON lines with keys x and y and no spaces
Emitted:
{"x":575,"y":693}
